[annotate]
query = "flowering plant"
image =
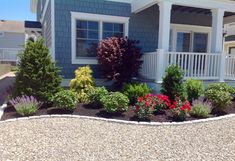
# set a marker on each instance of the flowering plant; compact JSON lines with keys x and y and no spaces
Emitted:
{"x":180,"y":109}
{"x":162,"y":102}
{"x":145,"y":106}
{"x":25,"y":105}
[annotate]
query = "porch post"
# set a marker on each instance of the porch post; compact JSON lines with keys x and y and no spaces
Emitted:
{"x":217,"y":38}
{"x":163,"y":37}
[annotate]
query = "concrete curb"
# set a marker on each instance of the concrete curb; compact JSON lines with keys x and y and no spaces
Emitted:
{"x":115,"y":120}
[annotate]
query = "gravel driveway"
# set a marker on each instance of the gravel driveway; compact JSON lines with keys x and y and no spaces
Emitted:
{"x":84,"y":139}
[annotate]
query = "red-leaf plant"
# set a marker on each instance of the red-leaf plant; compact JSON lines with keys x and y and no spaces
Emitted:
{"x":119,"y":59}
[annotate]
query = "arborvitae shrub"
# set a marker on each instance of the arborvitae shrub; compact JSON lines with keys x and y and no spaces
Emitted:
{"x":172,"y":84}
{"x":37,"y":74}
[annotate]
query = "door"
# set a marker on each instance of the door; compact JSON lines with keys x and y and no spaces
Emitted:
{"x":183,"y":41}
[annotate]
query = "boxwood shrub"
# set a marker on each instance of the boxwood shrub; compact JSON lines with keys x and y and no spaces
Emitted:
{"x":115,"y":102}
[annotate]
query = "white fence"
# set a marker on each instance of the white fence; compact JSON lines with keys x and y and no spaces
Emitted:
{"x":203,"y":66}
{"x":9,"y":54}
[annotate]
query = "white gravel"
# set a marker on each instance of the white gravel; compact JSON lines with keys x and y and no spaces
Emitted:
{"x":83,"y":139}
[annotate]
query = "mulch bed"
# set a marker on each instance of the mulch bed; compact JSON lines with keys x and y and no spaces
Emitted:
{"x":88,"y":110}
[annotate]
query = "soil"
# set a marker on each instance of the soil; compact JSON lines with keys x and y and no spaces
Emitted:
{"x":88,"y":110}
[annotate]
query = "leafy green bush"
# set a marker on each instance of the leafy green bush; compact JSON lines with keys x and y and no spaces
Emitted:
{"x":221,"y":100}
{"x":25,"y":105}
{"x":96,"y":94}
{"x":221,"y":87}
{"x":172,"y":84}
{"x":82,"y":83}
{"x":36,"y":74}
{"x":115,"y":102}
{"x":201,"y":108}
{"x":194,"y":89}
{"x":65,"y":99}
{"x":135,"y":90}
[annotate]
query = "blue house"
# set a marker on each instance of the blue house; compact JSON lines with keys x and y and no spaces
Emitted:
{"x":184,"y":32}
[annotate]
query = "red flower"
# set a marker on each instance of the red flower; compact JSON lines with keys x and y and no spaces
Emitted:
{"x":137,"y":108}
{"x":172,"y":106}
{"x":140,"y":99}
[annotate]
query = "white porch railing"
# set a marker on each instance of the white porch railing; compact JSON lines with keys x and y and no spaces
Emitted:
{"x":203,"y":66}
{"x":230,"y":67}
{"x":9,"y":54}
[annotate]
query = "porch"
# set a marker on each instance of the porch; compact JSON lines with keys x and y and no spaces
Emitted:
{"x":197,"y":49}
{"x":202,"y":66}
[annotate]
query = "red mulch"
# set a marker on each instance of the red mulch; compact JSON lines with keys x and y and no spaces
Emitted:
{"x":88,"y":110}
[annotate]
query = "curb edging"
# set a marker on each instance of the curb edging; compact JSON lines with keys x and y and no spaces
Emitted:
{"x":115,"y":120}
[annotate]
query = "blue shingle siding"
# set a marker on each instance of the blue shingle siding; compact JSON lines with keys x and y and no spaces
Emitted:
{"x":143,"y":26}
{"x":63,"y":28}
{"x":46,"y":30}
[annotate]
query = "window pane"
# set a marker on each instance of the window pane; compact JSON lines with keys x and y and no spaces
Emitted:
{"x":82,"y":34}
{"x":93,"y":35}
{"x":183,"y":42}
{"x":200,"y":42}
{"x":93,"y":25}
{"x":108,"y":26}
{"x":118,"y":34}
{"x":107,"y":34}
{"x":81,"y":24}
{"x":118,"y":27}
{"x":86,"y":48}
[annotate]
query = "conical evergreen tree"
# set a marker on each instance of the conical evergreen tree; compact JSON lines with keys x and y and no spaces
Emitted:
{"x":37,"y":74}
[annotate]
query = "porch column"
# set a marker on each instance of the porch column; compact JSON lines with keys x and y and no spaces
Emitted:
{"x":217,"y":30}
{"x":217,"y":38}
{"x":163,"y":37}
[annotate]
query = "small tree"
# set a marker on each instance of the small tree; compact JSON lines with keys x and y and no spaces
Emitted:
{"x":37,"y":75}
{"x":119,"y":59}
{"x":172,"y":84}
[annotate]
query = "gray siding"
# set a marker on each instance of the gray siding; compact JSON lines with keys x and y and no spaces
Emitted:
{"x":12,"y":40}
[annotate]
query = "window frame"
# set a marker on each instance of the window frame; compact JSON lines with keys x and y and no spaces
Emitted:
{"x":190,"y":29}
{"x":93,"y":17}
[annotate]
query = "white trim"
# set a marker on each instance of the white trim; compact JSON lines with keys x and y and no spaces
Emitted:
{"x":44,"y":10}
{"x":92,"y":17}
{"x":139,"y":5}
{"x":53,"y":29}
{"x":190,"y":29}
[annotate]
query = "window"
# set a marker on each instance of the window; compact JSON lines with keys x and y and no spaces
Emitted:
{"x":189,"y":38}
{"x":1,"y":34}
{"x":183,"y":42}
{"x":87,"y":38}
{"x":200,"y":42}
{"x":89,"y":29}
{"x":112,"y":29}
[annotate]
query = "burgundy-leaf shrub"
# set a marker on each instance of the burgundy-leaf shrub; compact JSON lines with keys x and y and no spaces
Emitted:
{"x":119,"y":58}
